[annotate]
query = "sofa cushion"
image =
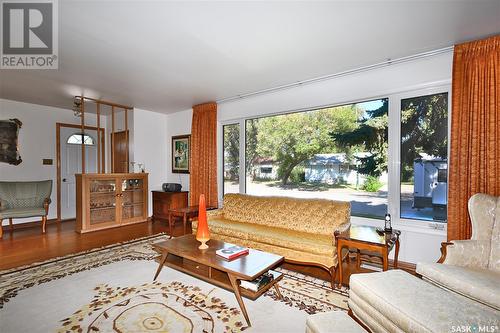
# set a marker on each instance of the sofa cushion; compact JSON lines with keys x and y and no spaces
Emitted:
{"x":332,"y":321}
{"x":290,"y":239}
{"x":414,"y":305}
{"x":316,"y":216}
{"x":21,"y":212}
{"x":482,"y":285}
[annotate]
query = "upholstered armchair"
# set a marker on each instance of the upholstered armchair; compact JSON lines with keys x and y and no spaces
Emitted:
{"x":483,"y":249}
{"x":24,"y":199}
{"x":472,"y":267}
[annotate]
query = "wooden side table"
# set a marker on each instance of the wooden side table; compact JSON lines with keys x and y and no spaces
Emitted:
{"x":186,"y":213}
{"x":367,"y":238}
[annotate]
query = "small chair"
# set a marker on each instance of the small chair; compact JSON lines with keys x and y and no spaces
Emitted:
{"x":24,"y":199}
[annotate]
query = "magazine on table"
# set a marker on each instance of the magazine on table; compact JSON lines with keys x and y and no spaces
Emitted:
{"x":232,"y":252}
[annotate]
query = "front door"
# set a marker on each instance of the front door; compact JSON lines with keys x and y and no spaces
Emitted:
{"x":71,"y":163}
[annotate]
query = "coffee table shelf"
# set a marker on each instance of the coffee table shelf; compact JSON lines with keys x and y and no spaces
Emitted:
{"x":216,"y":276}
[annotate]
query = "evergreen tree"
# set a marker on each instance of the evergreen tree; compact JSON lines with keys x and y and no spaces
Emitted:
{"x":370,"y":135}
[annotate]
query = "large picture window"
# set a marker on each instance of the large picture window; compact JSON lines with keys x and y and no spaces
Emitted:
{"x":424,"y":157}
{"x":387,"y":155}
{"x":337,"y":153}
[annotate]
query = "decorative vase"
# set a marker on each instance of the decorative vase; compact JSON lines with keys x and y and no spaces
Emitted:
{"x":202,"y":234}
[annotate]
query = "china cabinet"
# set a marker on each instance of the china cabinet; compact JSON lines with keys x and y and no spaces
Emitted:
{"x":109,"y":200}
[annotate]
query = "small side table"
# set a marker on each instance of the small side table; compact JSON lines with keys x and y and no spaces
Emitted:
{"x":367,"y":238}
{"x":186,"y":213}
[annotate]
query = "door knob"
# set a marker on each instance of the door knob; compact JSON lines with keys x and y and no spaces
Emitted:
{"x":64,"y":179}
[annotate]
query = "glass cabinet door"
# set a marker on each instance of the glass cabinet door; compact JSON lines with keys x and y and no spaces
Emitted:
{"x":132,"y":199}
{"x":103,"y":196}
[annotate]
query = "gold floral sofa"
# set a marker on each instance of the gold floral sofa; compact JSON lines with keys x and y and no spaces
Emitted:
{"x":301,"y":230}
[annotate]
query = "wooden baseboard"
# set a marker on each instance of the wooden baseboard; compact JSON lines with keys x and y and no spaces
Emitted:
{"x":32,"y":224}
{"x":407,"y":266}
{"x":373,"y":260}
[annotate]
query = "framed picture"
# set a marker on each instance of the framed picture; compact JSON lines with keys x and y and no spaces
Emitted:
{"x":181,"y":153}
{"x":9,"y":132}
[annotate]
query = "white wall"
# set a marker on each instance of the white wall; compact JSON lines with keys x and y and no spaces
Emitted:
{"x":178,"y":123}
{"x":37,"y":140}
{"x":150,"y":145}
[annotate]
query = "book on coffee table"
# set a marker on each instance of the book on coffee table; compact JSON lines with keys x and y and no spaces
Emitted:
{"x":232,"y":252}
{"x":259,"y":282}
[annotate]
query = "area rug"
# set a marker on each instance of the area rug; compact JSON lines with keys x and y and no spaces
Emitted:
{"x":111,"y":290}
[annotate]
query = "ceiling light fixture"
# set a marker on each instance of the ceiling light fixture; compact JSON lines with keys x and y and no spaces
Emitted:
{"x":77,"y":106}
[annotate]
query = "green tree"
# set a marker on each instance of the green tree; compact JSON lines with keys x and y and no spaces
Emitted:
{"x":251,"y":144}
{"x":232,"y":151}
{"x":370,"y":135}
{"x":292,"y":139}
{"x":424,"y":129}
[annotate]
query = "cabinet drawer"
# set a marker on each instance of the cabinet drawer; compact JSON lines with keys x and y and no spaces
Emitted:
{"x":195,"y":267}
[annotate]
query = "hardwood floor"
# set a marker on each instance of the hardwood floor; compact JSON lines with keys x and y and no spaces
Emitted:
{"x":28,"y":245}
{"x":25,"y":246}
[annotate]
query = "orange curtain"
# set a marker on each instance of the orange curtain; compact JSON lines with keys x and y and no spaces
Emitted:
{"x":475,"y":130}
{"x":203,"y":173}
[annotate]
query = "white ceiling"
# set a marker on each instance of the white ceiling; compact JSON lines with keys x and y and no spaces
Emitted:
{"x":166,"y":56}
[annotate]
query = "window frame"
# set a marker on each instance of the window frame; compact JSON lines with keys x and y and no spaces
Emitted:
{"x":393,"y":151}
{"x":395,"y":191}
{"x":220,"y":175}
{"x":81,"y":135}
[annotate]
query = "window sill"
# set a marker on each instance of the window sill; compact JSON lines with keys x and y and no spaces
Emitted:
{"x":423,"y":227}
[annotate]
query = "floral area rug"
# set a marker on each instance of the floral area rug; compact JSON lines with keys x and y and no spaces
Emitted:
{"x":111,"y":290}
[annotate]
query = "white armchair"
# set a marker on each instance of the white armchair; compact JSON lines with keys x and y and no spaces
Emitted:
{"x":472,"y":267}
{"x":483,"y":249}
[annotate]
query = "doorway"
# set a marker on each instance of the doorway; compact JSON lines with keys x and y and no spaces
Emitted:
{"x":69,"y":162}
{"x":119,"y":145}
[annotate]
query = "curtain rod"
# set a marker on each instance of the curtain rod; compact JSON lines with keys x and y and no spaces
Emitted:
{"x":385,"y":63}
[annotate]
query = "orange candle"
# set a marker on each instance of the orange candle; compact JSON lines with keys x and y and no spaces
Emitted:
{"x":202,"y":234}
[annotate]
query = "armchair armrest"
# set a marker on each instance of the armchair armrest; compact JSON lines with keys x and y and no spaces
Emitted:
{"x":465,"y":253}
{"x":46,"y":204}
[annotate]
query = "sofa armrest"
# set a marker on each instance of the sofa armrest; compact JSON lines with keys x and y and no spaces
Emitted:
{"x":466,"y":253}
{"x":343,"y":228}
{"x":215,"y":213}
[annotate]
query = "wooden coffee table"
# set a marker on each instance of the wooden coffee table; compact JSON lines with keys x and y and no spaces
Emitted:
{"x":182,"y":254}
{"x":367,"y":238}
